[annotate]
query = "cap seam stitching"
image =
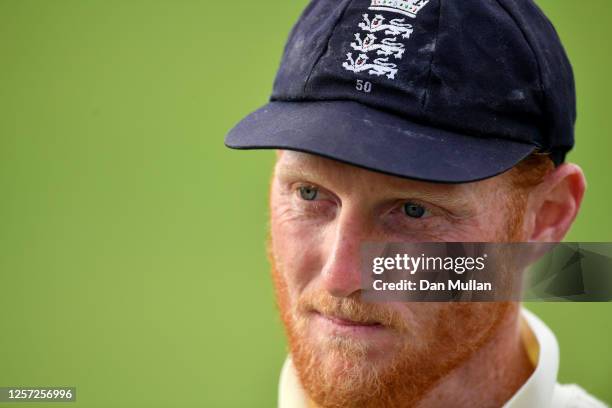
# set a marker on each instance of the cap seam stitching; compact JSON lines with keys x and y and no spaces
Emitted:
{"x":542,"y":95}
{"x":426,"y":93}
{"x":326,"y":47}
{"x":290,"y":38}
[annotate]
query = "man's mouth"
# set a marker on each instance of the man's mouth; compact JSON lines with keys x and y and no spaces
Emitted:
{"x":344,"y":321}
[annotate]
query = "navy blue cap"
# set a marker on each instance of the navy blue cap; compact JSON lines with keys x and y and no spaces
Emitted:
{"x":436,"y":90}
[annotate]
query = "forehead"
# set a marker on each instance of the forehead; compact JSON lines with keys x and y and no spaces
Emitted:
{"x":314,"y":168}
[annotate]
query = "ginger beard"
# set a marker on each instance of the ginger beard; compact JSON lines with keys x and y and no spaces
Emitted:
{"x":429,"y":340}
{"x":343,"y":371}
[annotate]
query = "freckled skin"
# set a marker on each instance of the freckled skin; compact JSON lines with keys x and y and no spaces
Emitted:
{"x":446,"y":352}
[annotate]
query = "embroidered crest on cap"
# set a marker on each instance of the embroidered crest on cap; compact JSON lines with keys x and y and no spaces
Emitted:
{"x":409,"y":8}
{"x":394,"y":27}
{"x":379,"y":67}
{"x":388,"y":47}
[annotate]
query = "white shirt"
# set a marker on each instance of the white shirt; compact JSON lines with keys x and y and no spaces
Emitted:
{"x":541,"y":389}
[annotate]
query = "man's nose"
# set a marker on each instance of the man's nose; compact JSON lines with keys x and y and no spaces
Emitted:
{"x":341,"y":270}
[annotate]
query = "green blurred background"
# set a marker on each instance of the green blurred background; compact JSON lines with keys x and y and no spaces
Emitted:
{"x":132,"y":258}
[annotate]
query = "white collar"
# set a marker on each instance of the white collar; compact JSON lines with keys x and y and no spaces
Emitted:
{"x":539,"y":387}
{"x":537,"y":391}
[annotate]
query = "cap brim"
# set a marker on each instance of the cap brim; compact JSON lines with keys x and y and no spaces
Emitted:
{"x":366,"y":137}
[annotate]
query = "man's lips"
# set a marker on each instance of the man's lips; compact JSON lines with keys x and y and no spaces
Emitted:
{"x":342,"y":321}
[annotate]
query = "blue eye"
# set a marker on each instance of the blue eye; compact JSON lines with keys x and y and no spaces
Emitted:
{"x":414,"y":210}
{"x":308,"y":193}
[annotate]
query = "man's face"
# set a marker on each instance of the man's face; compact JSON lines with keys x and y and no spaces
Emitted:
{"x":350,"y":353}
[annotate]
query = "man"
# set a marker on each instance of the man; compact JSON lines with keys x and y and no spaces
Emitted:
{"x":417,"y":121}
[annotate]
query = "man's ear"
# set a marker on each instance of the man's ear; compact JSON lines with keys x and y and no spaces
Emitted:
{"x":555,"y":202}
